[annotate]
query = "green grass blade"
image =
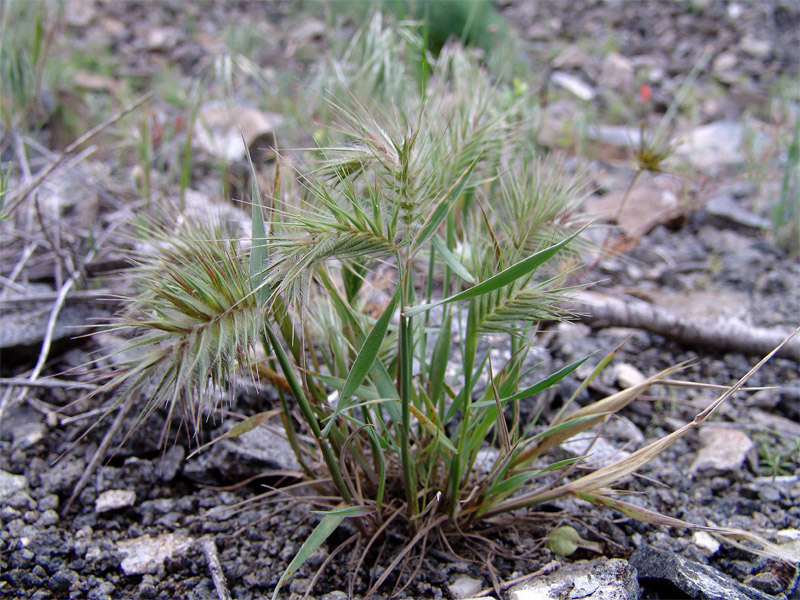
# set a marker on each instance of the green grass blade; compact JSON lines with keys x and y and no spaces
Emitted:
{"x":503,"y":278}
{"x":451,"y":260}
{"x":322,"y":532}
{"x":367,"y":356}
{"x":259,"y":253}
{"x":438,"y":366}
{"x":545,"y":383}
{"x":443,"y":207}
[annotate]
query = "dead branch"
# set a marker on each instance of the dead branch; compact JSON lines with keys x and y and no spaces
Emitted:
{"x":599,"y":309}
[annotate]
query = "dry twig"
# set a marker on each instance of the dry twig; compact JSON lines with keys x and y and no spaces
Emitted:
{"x":44,"y":173}
{"x":599,"y":309}
{"x":217,"y":575}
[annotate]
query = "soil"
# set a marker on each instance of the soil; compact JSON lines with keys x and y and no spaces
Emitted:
{"x":700,"y":260}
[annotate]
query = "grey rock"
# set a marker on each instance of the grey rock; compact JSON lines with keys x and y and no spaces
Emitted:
{"x":20,"y":499}
{"x":9,"y":514}
{"x":724,"y":450}
{"x":599,"y":579}
{"x":103,"y":591}
{"x":769,"y":493}
{"x":48,"y":502}
{"x":63,"y":581}
{"x":724,"y":212}
{"x":599,"y":452}
{"x":234,"y":459}
{"x":705,"y":542}
{"x":718,"y":144}
{"x":9,"y":484}
{"x":48,"y":518}
{"x":30,"y":516}
{"x":23,"y":326}
{"x":168,"y":467}
{"x":695,"y":580}
{"x":62,"y":477}
{"x":24,"y":424}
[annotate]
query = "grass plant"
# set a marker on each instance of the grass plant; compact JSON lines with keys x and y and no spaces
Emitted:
{"x":428,"y":229}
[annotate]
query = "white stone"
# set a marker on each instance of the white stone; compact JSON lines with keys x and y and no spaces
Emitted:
{"x":616,"y":135}
{"x":11,"y":483}
{"x":784,"y":536}
{"x":725,"y":449}
{"x":114,"y":499}
{"x":601,"y":453}
{"x":705,"y":542}
{"x":724,"y":63}
{"x":573,"y":85}
{"x":600,"y":579}
{"x":464,"y":587}
{"x":147,"y":555}
{"x":755,"y":47}
{"x":220,"y":128}
{"x":628,"y":375}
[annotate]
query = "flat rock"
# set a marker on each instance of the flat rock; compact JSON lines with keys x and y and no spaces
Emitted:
{"x":693,"y":579}
{"x":25,"y":425}
{"x":235,"y":459}
{"x":725,"y":450}
{"x":147,"y":555}
{"x":63,"y":476}
{"x":725,"y":212}
{"x":599,"y":453}
{"x":646,"y":206}
{"x":220,"y":130}
{"x":599,"y":579}
{"x":11,"y":483}
{"x":718,"y":144}
{"x":23,"y":326}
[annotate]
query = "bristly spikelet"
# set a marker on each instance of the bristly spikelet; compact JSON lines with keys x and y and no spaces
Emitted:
{"x":192,"y":325}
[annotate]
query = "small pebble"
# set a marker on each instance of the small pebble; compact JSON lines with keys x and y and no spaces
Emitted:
{"x":48,"y":518}
{"x":464,"y":587}
{"x":63,"y":581}
{"x":114,"y":499}
{"x":705,"y":542}
{"x":50,"y":501}
{"x":769,"y":493}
